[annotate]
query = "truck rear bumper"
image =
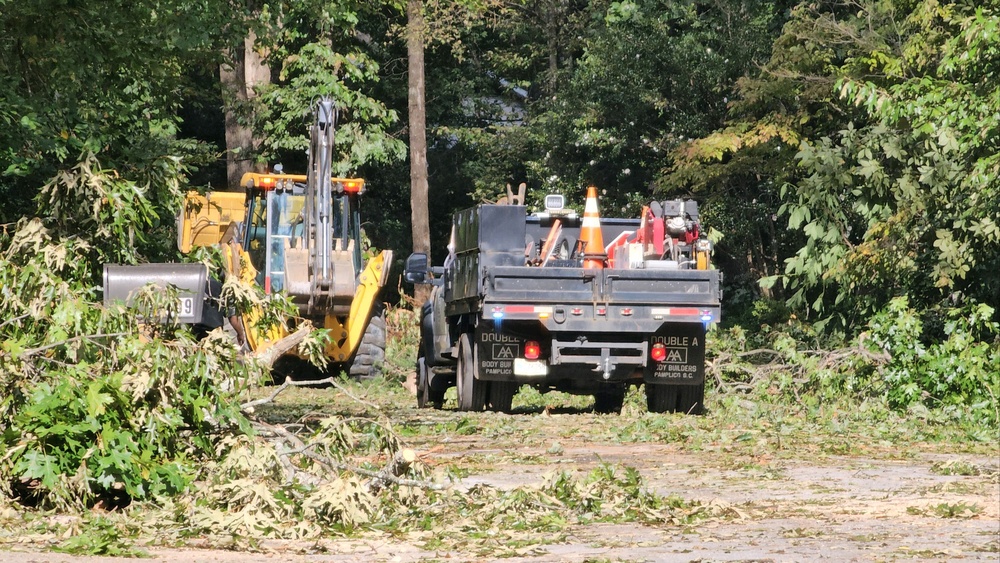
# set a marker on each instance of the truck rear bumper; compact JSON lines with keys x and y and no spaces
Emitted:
{"x":590,"y":357}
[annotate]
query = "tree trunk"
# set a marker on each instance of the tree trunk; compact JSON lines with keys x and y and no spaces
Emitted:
{"x":552,"y":14}
{"x":419,"y":216}
{"x":246,"y":71}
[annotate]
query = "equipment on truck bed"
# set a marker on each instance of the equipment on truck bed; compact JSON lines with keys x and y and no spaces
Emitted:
{"x":539,"y":299}
{"x":300,"y":234}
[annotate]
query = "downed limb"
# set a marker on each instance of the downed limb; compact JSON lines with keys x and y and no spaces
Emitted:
{"x":27,"y":353}
{"x":269,"y":355}
{"x":753,"y":367}
{"x":397,"y":466}
{"x":289,"y":382}
{"x":389,"y":474}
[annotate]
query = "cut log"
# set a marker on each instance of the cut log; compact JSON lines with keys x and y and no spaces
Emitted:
{"x":269,"y":355}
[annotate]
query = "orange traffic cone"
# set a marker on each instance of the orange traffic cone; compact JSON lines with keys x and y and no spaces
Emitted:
{"x":593,"y":251}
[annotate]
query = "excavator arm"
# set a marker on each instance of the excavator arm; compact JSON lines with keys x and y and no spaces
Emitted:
{"x":300,"y":234}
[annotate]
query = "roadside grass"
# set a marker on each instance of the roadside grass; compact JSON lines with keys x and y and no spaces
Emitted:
{"x":737,"y":424}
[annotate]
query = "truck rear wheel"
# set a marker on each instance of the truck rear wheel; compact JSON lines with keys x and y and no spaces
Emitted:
{"x":471,"y":391}
{"x":501,"y":395}
{"x":689,"y":399}
{"x":370,"y":355}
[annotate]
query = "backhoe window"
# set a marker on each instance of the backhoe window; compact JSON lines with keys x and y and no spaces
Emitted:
{"x":285,"y":228}
{"x":284,"y":224}
{"x":256,"y":233}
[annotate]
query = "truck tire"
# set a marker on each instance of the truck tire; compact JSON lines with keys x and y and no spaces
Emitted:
{"x":426,"y":395}
{"x":370,"y":355}
{"x":610,"y":398}
{"x":501,"y":395}
{"x":471,"y":391}
{"x":688,"y":399}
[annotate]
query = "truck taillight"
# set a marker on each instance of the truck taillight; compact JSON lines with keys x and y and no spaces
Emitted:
{"x":532,"y":350}
{"x":659,"y":352}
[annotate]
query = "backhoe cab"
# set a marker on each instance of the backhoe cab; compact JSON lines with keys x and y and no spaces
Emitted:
{"x":301,"y":234}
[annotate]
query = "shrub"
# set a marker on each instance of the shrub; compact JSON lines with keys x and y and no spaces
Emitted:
{"x":959,"y":372}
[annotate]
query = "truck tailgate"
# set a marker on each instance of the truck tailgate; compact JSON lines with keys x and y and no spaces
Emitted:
{"x":522,"y":284}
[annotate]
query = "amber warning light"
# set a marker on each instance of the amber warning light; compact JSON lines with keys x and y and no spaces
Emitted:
{"x":353,"y":186}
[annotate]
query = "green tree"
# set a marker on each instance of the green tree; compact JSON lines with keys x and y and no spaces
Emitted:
{"x":906,"y":200}
{"x":317,"y":49}
{"x":97,"y":77}
{"x":872,"y":131}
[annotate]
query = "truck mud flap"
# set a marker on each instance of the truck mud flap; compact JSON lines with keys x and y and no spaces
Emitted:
{"x":498,"y":352}
{"x":683,"y":348}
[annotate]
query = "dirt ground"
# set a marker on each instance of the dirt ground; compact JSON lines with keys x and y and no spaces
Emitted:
{"x":793,"y":507}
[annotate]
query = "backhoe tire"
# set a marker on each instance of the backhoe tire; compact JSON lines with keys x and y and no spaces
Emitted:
{"x":687,"y":399}
{"x":370,"y":355}
{"x":471,"y":391}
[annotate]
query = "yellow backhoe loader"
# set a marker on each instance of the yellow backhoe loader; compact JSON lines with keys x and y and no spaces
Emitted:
{"x":301,"y":235}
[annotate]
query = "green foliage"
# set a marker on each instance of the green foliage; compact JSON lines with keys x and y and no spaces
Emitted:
{"x":651,"y":75}
{"x":956,"y":467}
{"x":100,"y":535}
{"x":504,"y":520}
{"x":947,"y":510}
{"x":96,"y":408}
{"x":103,"y":78}
{"x":958,"y":374}
{"x":942,"y":368}
{"x":102,"y":404}
{"x":115,"y":212}
{"x":249,"y":494}
{"x":903,"y":198}
{"x":312,"y":45}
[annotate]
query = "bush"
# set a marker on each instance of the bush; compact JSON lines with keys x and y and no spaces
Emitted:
{"x":960,"y":372}
{"x":947,"y":372}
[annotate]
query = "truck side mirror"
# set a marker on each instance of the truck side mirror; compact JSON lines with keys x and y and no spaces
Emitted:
{"x":416,"y":268}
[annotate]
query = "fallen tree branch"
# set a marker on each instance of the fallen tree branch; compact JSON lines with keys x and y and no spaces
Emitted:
{"x":32,"y":351}
{"x":269,"y":355}
{"x":397,"y":466}
{"x":15,"y":319}
{"x":753,"y":374}
{"x":385,"y":475}
{"x":289,"y":382}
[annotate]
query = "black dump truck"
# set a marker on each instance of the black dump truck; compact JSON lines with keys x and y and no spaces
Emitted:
{"x":538,"y":299}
